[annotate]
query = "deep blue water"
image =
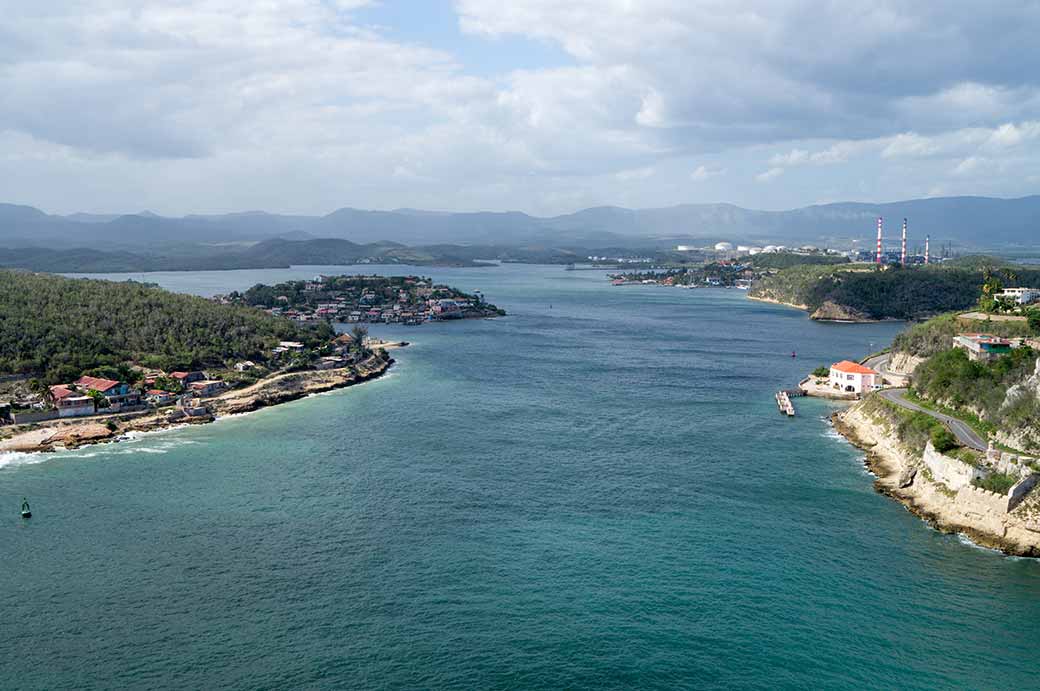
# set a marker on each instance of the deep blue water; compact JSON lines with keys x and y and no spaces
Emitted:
{"x":596,"y":494}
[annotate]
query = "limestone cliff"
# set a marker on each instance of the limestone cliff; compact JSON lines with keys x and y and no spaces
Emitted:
{"x":902,"y":475}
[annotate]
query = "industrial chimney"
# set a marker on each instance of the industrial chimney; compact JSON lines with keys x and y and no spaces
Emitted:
{"x":877,"y":259}
{"x":927,"y":257}
{"x":902,"y":255}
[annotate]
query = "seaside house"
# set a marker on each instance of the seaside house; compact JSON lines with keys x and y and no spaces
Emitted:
{"x":159,"y":397}
{"x":186,"y":378}
{"x":852,"y":377}
{"x":71,"y":403}
{"x":118,"y":394}
{"x":245,"y":366}
{"x":209,"y":387}
{"x":983,"y":347}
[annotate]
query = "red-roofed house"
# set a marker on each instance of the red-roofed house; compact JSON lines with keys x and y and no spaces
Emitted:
{"x":160,"y":397}
{"x":186,"y":378}
{"x":852,"y":377}
{"x":97,"y":384}
{"x":71,"y":403}
{"x":116,"y":393}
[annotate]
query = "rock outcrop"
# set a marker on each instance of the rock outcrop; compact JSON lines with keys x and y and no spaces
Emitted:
{"x":833,"y":312}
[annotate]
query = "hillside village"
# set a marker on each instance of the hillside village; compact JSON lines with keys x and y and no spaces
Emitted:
{"x":136,"y":389}
{"x":409,"y":300}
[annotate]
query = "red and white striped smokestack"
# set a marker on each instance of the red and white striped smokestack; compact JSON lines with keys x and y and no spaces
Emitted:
{"x":927,"y":257}
{"x":902,"y":256}
{"x":878,"y":257}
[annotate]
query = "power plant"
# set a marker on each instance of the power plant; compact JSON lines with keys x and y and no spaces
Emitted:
{"x":902,"y":255}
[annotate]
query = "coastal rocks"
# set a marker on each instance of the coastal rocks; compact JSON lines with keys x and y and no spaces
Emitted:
{"x":290,"y":387}
{"x":906,"y":478}
{"x":970,"y":511}
{"x":833,"y":312}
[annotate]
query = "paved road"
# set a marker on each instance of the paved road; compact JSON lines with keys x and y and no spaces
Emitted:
{"x":879,"y":363}
{"x":965,"y":434}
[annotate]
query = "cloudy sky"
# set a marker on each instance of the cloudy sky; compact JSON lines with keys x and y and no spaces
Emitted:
{"x":545,"y":106}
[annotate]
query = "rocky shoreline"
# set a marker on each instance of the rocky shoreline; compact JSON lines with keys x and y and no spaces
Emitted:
{"x":898,"y":475}
{"x":827,"y":312}
{"x":268,"y":392}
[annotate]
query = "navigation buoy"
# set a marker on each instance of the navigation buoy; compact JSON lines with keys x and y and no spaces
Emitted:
{"x":794,"y":354}
{"x":26,"y":513}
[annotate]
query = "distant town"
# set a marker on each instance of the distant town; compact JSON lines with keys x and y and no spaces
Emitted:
{"x":410,"y":300}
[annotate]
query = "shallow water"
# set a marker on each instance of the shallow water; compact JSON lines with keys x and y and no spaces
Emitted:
{"x":596,"y":494}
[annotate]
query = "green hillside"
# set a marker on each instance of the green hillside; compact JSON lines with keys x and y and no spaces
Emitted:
{"x":56,"y":327}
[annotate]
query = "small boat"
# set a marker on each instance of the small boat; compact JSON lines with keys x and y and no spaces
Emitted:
{"x":26,"y":513}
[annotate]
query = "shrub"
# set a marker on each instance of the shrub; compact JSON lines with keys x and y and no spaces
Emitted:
{"x":822,"y":371}
{"x":997,"y":482}
{"x":942,"y":439}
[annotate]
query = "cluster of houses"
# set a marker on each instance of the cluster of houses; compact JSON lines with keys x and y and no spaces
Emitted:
{"x":92,"y":395}
{"x":408,"y":300}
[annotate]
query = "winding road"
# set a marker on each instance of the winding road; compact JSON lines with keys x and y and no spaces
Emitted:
{"x":965,"y":434}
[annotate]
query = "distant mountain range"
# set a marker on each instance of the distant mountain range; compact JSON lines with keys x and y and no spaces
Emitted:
{"x":30,"y":238}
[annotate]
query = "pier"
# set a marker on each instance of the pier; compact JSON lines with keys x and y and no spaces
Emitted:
{"x":783,"y":402}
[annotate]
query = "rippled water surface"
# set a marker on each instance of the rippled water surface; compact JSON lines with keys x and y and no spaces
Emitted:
{"x":595,"y":492}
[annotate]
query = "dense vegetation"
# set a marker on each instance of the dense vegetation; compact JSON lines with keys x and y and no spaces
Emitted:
{"x":981,"y":388}
{"x":894,"y":293}
{"x":57,"y":327}
{"x":936,"y":335}
{"x":785,"y":260}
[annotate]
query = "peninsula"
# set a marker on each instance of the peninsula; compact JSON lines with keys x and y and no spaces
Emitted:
{"x":83,"y":361}
{"x":861,"y":292}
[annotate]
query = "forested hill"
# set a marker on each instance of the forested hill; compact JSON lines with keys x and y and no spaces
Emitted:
{"x":860,"y":292}
{"x":56,"y":327}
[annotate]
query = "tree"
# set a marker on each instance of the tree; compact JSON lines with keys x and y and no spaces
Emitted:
{"x":991,"y":287}
{"x":942,"y":439}
{"x":359,"y":334}
{"x":1033,"y":317}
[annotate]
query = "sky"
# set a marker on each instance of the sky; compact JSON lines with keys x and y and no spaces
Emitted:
{"x":542,"y":106}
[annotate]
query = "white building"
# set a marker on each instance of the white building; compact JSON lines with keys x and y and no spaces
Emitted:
{"x":852,"y":377}
{"x":723,"y":246}
{"x":1022,"y":296}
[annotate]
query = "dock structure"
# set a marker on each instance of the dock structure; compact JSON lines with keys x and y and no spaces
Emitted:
{"x":783,"y":402}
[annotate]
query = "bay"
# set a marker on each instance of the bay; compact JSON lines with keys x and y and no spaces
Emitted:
{"x":594,"y":492}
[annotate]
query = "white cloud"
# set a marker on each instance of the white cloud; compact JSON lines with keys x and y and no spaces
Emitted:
{"x":635,"y":174}
{"x":769,"y":175}
{"x":237,"y":103}
{"x":702,"y":173}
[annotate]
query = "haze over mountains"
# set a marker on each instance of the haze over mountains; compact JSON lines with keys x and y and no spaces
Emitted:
{"x":34,"y":239}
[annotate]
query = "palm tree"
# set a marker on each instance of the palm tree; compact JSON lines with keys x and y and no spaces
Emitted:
{"x":359,"y":334}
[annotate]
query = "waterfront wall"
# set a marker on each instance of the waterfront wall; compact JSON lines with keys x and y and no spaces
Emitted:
{"x":34,"y":416}
{"x":1019,"y":491}
{"x":952,"y":472}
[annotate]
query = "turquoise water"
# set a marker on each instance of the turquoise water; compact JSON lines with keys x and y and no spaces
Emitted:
{"x":599,"y":494}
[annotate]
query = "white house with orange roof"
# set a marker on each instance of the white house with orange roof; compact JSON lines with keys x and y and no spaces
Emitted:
{"x":852,"y":377}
